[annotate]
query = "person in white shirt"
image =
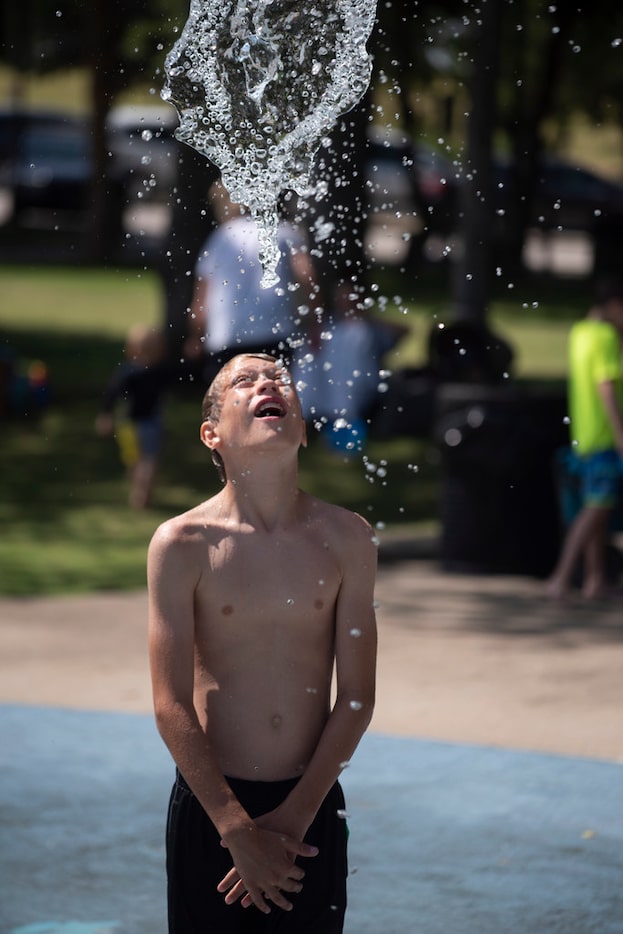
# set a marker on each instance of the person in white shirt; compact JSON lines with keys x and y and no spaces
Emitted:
{"x":230,"y":312}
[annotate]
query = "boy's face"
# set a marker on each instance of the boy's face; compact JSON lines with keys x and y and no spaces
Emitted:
{"x":259,"y":405}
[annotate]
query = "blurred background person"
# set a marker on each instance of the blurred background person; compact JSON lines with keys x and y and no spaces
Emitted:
{"x":138,"y":384}
{"x":338,"y":381}
{"x":230,"y":312}
{"x":596,"y":456}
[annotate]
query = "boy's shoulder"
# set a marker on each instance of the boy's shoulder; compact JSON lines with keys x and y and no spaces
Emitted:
{"x":343,"y":523}
{"x":191,"y":527}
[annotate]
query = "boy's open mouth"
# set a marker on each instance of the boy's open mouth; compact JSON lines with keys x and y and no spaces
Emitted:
{"x":270,"y":408}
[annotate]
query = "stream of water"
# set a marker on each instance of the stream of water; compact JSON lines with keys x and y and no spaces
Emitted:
{"x":258,"y":84}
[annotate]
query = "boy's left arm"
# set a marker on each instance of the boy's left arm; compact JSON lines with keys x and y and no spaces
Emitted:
{"x":355,"y":658}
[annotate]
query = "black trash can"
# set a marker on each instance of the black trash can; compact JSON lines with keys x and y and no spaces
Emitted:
{"x":499,"y":503}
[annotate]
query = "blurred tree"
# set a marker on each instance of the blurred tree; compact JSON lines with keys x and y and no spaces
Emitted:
{"x":551,"y":62}
{"x":191,"y":221}
{"x":537,"y":36}
{"x":39,"y":37}
{"x":555,"y":60}
{"x":120,"y":42}
{"x":473,"y":268}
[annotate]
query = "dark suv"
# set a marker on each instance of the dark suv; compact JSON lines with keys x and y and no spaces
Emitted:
{"x":46,"y":157}
{"x":45,"y":160}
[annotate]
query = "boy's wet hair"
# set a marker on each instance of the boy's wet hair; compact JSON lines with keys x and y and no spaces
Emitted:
{"x":213,"y":400}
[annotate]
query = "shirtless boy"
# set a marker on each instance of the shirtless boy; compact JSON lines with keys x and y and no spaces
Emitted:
{"x":254,"y":595}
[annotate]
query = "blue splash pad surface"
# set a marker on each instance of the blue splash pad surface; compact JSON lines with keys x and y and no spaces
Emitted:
{"x":445,"y":839}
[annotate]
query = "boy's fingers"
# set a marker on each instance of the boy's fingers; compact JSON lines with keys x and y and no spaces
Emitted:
{"x":298,"y":847}
{"x":291,"y":885}
{"x":258,"y":900}
{"x":237,"y":891}
{"x":230,"y":879}
{"x":304,"y":849}
{"x":254,"y":897}
{"x":276,"y":896}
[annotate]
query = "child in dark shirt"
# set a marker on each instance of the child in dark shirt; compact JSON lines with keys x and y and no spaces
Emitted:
{"x":140,"y":383}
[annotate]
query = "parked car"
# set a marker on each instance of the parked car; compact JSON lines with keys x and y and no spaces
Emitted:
{"x":143,"y":148}
{"x":567,"y":196}
{"x":47,"y":163}
{"x":403,"y":175}
{"x":45,"y":160}
{"x":411,"y":196}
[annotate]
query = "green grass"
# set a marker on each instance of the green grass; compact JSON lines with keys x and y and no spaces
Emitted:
{"x":85,"y":302}
{"x":66,"y":526}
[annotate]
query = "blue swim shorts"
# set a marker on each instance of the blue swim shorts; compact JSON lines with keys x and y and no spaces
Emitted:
{"x":601,"y":475}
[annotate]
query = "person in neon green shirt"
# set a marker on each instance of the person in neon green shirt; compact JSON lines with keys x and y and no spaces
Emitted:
{"x":596,"y":425}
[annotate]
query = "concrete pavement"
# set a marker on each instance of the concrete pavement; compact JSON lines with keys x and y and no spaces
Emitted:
{"x":487,"y":798}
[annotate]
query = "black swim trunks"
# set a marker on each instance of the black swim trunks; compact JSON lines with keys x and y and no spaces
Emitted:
{"x":196,"y":863}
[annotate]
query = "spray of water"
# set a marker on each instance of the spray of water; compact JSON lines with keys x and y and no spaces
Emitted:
{"x":258,"y":84}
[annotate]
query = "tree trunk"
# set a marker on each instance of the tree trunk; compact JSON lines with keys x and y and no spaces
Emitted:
{"x":191,"y":222}
{"x":473,"y":268}
{"x":533,"y":102}
{"x":104,"y":237}
{"x":340,"y":257}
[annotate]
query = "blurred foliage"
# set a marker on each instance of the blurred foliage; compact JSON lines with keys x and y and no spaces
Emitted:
{"x":41,"y":37}
{"x":66,"y":525}
{"x":558,"y":64}
{"x":422,"y":53}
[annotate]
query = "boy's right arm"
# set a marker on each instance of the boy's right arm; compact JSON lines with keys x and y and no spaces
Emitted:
{"x":264,"y":860}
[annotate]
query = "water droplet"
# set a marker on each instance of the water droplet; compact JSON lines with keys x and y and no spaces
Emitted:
{"x":355,"y":705}
{"x":355,"y":633}
{"x":289,"y":601}
{"x":453,"y":437}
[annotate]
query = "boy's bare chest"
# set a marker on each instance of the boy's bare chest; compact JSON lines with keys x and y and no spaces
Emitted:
{"x":261,"y":576}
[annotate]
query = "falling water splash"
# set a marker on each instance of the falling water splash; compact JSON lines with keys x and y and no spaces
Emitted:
{"x":258,"y":84}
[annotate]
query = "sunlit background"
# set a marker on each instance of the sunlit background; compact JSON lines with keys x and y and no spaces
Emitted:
{"x":479,"y":181}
